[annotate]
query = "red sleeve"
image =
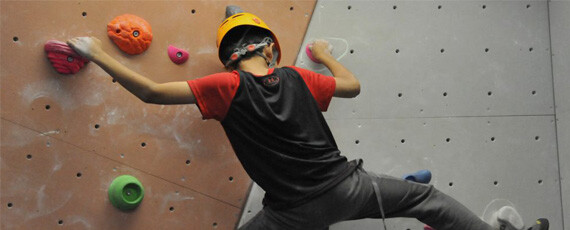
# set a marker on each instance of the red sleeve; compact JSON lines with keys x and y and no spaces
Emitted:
{"x":322,"y":87}
{"x":214,"y":93}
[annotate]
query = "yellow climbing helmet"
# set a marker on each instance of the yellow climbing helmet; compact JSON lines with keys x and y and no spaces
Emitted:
{"x":243,"y":19}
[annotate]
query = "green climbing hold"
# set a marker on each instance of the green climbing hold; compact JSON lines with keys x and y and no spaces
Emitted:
{"x":126,"y":192}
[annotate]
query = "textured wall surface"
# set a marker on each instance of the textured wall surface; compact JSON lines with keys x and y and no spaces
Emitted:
{"x":560,"y":31}
{"x":65,"y":138}
{"x":463,"y":88}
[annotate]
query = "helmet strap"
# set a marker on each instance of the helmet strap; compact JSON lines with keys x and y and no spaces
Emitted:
{"x":243,"y":49}
{"x":273,"y":62}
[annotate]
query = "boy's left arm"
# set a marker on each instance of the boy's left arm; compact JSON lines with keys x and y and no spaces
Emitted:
{"x":140,"y":86}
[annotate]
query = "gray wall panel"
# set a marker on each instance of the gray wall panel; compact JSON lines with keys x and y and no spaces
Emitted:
{"x":560,"y":32}
{"x":518,"y":161}
{"x":494,"y":65}
{"x":422,"y":73}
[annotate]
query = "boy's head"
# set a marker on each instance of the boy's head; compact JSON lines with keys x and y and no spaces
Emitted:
{"x":243,"y":36}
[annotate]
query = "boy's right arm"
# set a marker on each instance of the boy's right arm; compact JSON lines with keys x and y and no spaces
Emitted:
{"x":142,"y":87}
{"x":347,"y":85}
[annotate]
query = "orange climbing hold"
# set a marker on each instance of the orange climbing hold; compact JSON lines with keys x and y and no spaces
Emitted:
{"x":130,"y":33}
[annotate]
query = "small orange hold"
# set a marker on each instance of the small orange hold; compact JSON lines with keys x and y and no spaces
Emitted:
{"x":130,"y":33}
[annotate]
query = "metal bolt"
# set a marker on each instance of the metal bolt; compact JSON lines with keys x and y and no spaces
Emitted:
{"x":136,"y":33}
{"x":69,"y":58}
{"x":179,"y":54}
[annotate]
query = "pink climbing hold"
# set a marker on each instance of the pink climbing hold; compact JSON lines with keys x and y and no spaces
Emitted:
{"x":310,"y":53}
{"x":63,"y":58}
{"x":177,"y":55}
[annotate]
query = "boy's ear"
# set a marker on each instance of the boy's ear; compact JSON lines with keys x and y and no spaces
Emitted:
{"x":268,"y":51}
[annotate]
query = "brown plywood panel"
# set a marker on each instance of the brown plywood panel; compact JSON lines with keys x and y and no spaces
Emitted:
{"x":45,"y":181}
{"x":100,"y":126}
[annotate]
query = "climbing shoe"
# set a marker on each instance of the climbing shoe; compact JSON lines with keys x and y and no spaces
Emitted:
{"x":541,"y":224}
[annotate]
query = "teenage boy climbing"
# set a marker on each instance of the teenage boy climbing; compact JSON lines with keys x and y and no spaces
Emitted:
{"x":272,"y":117}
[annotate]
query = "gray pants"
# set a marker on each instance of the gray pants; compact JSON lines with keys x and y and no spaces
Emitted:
{"x":354,"y":198}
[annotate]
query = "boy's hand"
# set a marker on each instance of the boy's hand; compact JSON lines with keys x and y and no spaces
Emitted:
{"x":321,"y":49}
{"x":88,"y":47}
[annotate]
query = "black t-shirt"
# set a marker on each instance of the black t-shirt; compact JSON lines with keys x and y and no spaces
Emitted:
{"x":280,"y":136}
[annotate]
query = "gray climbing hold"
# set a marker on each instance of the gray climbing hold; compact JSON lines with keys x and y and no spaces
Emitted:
{"x":231,"y":10}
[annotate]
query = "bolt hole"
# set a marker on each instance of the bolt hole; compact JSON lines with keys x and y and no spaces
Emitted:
{"x":188,"y":162}
{"x":15,"y":39}
{"x":448,"y":139}
{"x":397,"y":50}
{"x":60,"y":222}
{"x":48,"y":107}
{"x":79,"y":175}
{"x":439,"y":7}
{"x":530,"y":49}
{"x":496,"y":183}
{"x":84,"y":14}
{"x":291,"y":8}
{"x":231,"y":178}
{"x":403,"y":141}
{"x":540,"y":181}
{"x":400,"y":95}
{"x":484,"y":6}
{"x":349,"y":7}
{"x":114,"y":80}
{"x":492,"y":138}
{"x":357,"y":141}
{"x":442,"y":50}
{"x":29,"y":156}
{"x":193,"y":11}
{"x":486,"y":50}
{"x":537,"y":138}
{"x":450,"y":184}
{"x":171,"y":209}
{"x":394,"y":7}
{"x":445,"y":94}
{"x":351,"y":51}
{"x":528,"y":6}
{"x":489,"y":93}
{"x":97,"y":126}
{"x":215,"y":225}
{"x":143,"y":144}
{"x":122,"y":155}
{"x":533,"y":92}
{"x":10,"y":205}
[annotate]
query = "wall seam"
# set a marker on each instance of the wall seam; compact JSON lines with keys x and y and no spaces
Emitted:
{"x":555,"y":117}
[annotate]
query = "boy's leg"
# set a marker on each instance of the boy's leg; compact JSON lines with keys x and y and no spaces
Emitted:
{"x":401,"y":198}
{"x":337,"y":204}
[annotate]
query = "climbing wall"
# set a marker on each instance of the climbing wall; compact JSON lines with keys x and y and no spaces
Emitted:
{"x":560,"y":36}
{"x":462,"y":88}
{"x":64,"y":138}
